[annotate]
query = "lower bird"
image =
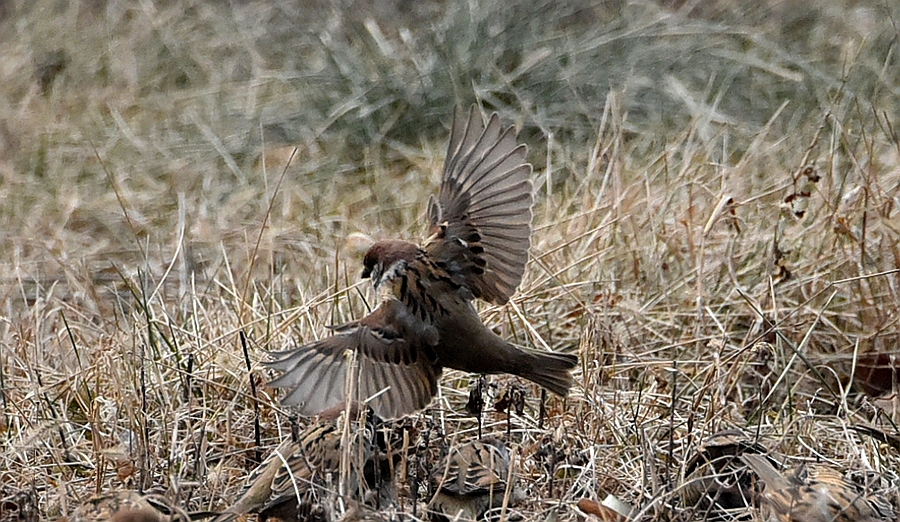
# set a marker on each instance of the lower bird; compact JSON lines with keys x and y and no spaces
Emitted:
{"x":716,"y":480}
{"x":815,"y":493}
{"x":299,"y":481}
{"x":130,"y":506}
{"x":472,"y":479}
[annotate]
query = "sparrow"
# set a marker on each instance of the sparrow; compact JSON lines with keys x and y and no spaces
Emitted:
{"x":130,"y":506}
{"x":294,"y":481}
{"x":471,"y":480}
{"x":815,"y":493}
{"x":716,"y":479}
{"x":480,"y":233}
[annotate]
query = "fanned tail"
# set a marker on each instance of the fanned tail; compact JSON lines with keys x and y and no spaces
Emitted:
{"x":551,"y":370}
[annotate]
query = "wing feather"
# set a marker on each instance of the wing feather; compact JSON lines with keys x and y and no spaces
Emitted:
{"x":315,"y":374}
{"x":481,"y":219}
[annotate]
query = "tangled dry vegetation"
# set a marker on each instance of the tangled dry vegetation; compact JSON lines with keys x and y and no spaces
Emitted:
{"x":716,"y":230}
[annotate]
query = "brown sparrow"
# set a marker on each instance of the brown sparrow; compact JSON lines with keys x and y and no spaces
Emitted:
{"x":471,"y":480}
{"x":293,"y":481}
{"x":128,"y":506}
{"x":815,"y":493}
{"x":478,"y":246}
{"x":716,"y":479}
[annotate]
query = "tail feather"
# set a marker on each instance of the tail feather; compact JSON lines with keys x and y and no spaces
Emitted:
{"x":551,"y":370}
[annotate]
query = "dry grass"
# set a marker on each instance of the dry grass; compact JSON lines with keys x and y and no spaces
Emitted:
{"x":147,"y":221}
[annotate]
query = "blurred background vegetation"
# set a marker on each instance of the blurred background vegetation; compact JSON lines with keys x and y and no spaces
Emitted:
{"x":181,"y":97}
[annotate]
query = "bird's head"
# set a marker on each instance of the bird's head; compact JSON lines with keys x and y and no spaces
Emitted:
{"x":386,"y":258}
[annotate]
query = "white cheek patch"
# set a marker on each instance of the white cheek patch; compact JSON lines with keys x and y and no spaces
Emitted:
{"x":395,"y":270}
{"x":375,"y":275}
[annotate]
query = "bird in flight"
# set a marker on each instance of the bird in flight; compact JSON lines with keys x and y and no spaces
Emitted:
{"x":480,"y":233}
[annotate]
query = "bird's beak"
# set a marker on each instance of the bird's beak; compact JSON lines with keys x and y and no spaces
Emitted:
{"x":367,"y":272}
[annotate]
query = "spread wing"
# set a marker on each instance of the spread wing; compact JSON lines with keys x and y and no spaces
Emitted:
{"x":481,"y":220}
{"x":394,"y":376}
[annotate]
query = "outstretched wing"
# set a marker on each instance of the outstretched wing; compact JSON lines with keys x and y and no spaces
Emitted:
{"x":481,"y":221}
{"x":395,"y":376}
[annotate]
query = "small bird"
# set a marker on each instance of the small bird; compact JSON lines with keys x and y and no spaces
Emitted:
{"x":815,"y":493}
{"x":478,"y":246}
{"x":294,"y":481}
{"x":716,"y":480}
{"x":471,"y":480}
{"x":128,"y":506}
